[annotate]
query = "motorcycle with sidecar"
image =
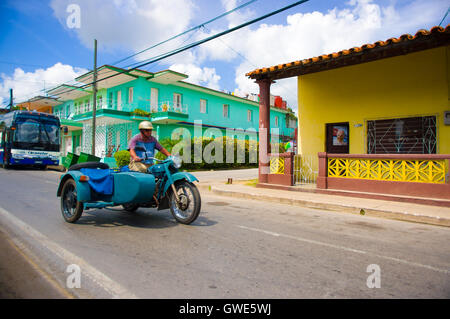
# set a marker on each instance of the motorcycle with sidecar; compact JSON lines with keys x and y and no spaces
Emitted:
{"x":94,"y":185}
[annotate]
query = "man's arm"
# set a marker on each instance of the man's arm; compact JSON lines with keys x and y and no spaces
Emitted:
{"x":164,"y":151}
{"x":131,"y":146}
{"x":133,"y":155}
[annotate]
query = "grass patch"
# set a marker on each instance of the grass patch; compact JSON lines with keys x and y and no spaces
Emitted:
{"x":251,"y":182}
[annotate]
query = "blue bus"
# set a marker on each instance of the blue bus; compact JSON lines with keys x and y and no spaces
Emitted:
{"x":29,"y":138}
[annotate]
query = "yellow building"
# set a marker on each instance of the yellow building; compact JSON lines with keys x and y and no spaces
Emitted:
{"x":396,"y":89}
{"x":394,"y":105}
{"x":390,"y":97}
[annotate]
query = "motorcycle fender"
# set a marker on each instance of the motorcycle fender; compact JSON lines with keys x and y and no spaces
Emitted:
{"x":180,"y":176}
{"x":83,"y":188}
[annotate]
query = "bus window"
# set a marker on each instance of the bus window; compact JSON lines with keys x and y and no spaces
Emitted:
{"x":27,"y":131}
{"x":52,"y":133}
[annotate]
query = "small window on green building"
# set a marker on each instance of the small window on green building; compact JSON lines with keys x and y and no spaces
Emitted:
{"x":177,"y":101}
{"x":111,"y":100}
{"x":100,"y":102}
{"x":202,"y":106}
{"x":130,"y":95}
{"x":226,"y":111}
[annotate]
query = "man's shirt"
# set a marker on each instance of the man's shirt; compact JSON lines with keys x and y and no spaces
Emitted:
{"x":148,"y":144}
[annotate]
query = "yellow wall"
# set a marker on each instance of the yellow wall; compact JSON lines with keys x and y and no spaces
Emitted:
{"x":411,"y":85}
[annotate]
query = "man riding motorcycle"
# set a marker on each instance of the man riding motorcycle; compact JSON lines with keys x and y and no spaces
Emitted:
{"x":140,"y":161}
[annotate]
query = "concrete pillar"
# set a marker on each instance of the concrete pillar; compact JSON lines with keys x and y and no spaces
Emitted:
{"x":323,"y":171}
{"x":264,"y":129}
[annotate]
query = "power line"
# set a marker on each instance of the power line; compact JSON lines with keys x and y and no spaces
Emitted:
{"x":187,"y":47}
{"x":194,"y":28}
{"x":445,"y":16}
{"x":245,"y":58}
{"x":135,"y":63}
{"x":187,"y":31}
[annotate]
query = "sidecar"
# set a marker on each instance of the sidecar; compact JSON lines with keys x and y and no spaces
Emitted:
{"x":99,"y":187}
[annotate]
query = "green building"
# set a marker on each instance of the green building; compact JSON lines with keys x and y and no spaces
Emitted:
{"x":126,"y":97}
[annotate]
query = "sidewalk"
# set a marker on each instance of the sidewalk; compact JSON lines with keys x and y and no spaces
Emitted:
{"x":411,"y":212}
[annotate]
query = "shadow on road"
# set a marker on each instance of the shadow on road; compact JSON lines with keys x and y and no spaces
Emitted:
{"x":25,"y":168}
{"x":142,"y":218}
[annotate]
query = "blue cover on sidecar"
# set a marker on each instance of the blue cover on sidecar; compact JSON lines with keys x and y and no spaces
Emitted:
{"x":100,"y":180}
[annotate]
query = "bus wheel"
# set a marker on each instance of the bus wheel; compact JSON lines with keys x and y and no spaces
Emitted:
{"x":5,"y":162}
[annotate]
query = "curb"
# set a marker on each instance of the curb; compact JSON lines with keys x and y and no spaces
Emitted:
{"x":383,"y":213}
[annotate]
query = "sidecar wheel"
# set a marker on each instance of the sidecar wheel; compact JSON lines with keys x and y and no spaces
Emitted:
{"x":131,"y":208}
{"x":190,"y":203}
{"x":71,"y":208}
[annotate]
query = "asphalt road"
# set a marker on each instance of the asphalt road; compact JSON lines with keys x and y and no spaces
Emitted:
{"x":236,"y":249}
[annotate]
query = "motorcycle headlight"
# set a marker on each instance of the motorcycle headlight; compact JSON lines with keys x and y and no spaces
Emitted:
{"x":177,"y":161}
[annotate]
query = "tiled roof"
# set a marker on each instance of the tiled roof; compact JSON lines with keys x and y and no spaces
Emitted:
{"x":404,"y":44}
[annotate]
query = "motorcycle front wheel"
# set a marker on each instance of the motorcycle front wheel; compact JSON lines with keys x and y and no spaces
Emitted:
{"x":188,"y":208}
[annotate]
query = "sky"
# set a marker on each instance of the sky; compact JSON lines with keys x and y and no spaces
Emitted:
{"x":44,"y":43}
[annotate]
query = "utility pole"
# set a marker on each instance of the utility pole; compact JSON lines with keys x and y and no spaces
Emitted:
{"x":94,"y":107}
{"x":10,"y":99}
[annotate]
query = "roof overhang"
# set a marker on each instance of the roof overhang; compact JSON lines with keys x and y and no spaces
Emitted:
{"x":405,"y":44}
{"x":141,"y":73}
{"x":71,"y":125}
{"x":167,"y":77}
{"x":104,"y":117}
{"x":66,"y":92}
{"x":215,"y":92}
{"x":108,"y":76}
{"x":39,"y":102}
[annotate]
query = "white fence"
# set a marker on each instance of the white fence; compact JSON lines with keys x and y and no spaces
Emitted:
{"x":306,"y":169}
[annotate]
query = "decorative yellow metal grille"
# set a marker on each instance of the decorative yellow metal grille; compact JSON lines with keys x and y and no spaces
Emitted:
{"x":277,"y":165}
{"x":422,"y":171}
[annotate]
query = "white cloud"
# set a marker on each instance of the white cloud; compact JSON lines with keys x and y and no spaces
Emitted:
{"x":237,"y":17}
{"x":137,"y":24}
{"x":26,"y":85}
{"x":130,"y":24}
{"x":197,"y":75}
{"x":311,"y":34}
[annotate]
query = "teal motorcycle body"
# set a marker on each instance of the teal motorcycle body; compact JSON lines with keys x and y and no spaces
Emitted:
{"x":94,"y":185}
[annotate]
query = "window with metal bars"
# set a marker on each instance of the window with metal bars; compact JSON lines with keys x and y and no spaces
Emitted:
{"x":411,"y":135}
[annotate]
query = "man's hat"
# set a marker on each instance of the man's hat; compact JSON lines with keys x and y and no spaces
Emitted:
{"x":145,"y":125}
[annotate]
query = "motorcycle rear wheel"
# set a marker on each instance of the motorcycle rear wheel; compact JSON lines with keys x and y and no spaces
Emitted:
{"x":188,"y":209}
